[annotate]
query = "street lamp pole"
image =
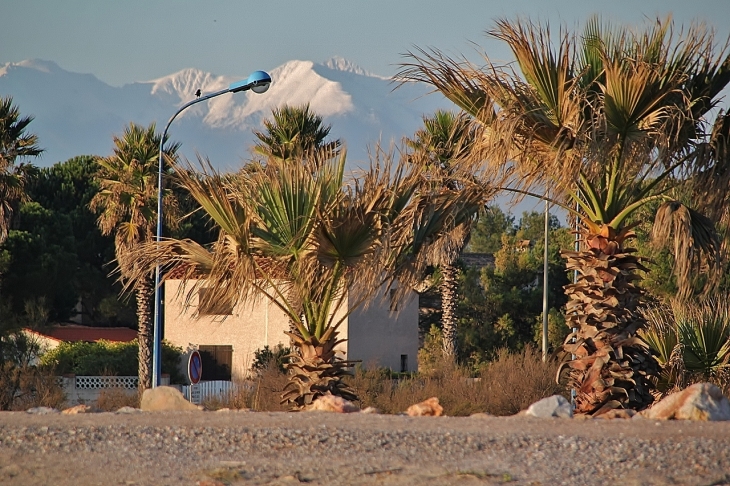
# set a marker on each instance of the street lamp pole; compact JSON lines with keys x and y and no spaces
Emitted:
{"x":258,"y":82}
{"x":545,"y":285}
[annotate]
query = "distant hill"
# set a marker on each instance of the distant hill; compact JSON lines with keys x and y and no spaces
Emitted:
{"x":77,"y":114}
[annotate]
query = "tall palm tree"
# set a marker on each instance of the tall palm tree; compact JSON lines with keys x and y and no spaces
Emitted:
{"x":445,"y":141}
{"x":294,"y":132}
{"x":15,"y":143}
{"x":127,"y":206}
{"x":315,"y":246}
{"x":611,"y":121}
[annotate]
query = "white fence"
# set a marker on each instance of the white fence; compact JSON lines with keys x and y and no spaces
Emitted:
{"x":83,"y":389}
{"x":198,"y":392}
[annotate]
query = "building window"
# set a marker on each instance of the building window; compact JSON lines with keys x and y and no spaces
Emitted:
{"x":393,"y":300}
{"x":217,"y":362}
{"x":403,"y":363}
{"x":214,"y":308}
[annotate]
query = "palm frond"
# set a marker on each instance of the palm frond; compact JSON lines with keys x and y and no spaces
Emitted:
{"x":693,"y":241}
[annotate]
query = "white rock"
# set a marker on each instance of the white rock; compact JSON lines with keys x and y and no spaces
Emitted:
{"x":332,"y":403}
{"x":554,"y":406}
{"x":42,"y":410}
{"x":128,"y":410}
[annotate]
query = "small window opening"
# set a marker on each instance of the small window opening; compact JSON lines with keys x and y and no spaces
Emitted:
{"x":403,"y":363}
{"x":393,"y":300}
{"x":215,"y":307}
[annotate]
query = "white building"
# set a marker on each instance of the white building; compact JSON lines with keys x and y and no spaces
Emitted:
{"x":381,"y":334}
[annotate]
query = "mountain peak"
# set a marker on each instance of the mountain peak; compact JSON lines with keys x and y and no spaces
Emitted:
{"x":186,"y":82}
{"x":362,"y":109}
{"x":341,"y":64}
{"x":35,"y":64}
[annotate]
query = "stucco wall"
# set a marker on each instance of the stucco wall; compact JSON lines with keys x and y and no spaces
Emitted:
{"x":375,"y":335}
{"x":379,"y":336}
{"x":247,"y":330}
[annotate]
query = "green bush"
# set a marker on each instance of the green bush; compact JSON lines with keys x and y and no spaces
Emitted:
{"x":266,"y":357}
{"x":108,"y":358}
{"x":690,"y":341}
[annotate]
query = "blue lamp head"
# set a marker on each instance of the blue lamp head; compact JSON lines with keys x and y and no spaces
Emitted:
{"x":258,"y":82}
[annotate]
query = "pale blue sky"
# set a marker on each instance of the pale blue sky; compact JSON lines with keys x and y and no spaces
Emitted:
{"x":121,"y":41}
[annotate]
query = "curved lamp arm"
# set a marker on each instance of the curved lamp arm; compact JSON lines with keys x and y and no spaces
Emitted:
{"x":258,"y":82}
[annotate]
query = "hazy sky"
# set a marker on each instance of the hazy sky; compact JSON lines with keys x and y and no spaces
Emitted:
{"x":122,"y":41}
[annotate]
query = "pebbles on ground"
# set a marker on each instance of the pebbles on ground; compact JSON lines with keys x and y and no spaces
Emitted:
{"x":324,"y":448}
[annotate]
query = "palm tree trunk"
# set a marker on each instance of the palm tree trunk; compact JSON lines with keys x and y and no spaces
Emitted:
{"x":145,"y":329}
{"x":315,"y":370}
{"x":612,"y":366}
{"x":448,"y":289}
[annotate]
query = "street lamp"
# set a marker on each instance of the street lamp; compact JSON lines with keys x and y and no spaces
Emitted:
{"x":545,"y":285}
{"x":258,"y":82}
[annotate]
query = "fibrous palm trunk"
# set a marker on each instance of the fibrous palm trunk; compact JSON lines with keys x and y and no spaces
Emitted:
{"x":612,"y":366}
{"x":144,"y":291}
{"x":448,"y":289}
{"x":316,"y":371}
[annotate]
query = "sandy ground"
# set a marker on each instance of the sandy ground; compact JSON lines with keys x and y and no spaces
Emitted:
{"x":218,"y":448}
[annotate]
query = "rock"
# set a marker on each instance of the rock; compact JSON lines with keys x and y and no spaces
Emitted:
{"x":617,"y":413}
{"x":427,"y":408}
{"x":554,"y":406}
{"x":10,"y":471}
{"x":332,"y":403}
{"x":370,"y":410}
{"x":165,"y":398}
{"x":128,"y":410}
{"x":42,"y":410}
{"x":79,"y":409}
{"x":701,"y":401}
{"x":481,"y":415}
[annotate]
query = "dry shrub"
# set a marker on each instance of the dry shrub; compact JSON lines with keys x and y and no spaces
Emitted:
{"x":722,"y":380}
{"x":24,"y":387}
{"x":507,"y":385}
{"x":268,"y":386}
{"x":261,"y":393}
{"x":515,"y":381}
{"x":112,"y":399}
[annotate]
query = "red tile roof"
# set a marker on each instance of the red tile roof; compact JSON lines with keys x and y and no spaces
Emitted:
{"x":73,"y":333}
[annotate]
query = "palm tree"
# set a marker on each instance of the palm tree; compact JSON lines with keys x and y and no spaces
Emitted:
{"x":611,"y":121}
{"x":127,"y":207}
{"x":315,"y":246}
{"x":445,"y":140}
{"x":15,"y":143}
{"x":294,"y":132}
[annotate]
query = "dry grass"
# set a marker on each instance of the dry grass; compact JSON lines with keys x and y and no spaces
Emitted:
{"x":112,"y":399}
{"x":24,"y":387}
{"x":260,"y":393}
{"x":505,"y":386}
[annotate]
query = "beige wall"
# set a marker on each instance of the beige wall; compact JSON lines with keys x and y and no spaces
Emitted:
{"x":379,"y":336}
{"x":375,"y":335}
{"x":246,"y":330}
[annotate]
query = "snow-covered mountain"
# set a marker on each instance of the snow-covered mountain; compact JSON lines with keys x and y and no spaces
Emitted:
{"x":77,"y":114}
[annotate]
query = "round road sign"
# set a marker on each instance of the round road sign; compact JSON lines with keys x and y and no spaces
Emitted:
{"x":195,"y":367}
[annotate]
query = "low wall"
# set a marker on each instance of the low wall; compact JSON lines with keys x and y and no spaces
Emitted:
{"x":84,"y":389}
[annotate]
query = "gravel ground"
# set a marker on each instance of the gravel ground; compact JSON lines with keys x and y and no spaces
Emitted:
{"x":213,"y":448}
